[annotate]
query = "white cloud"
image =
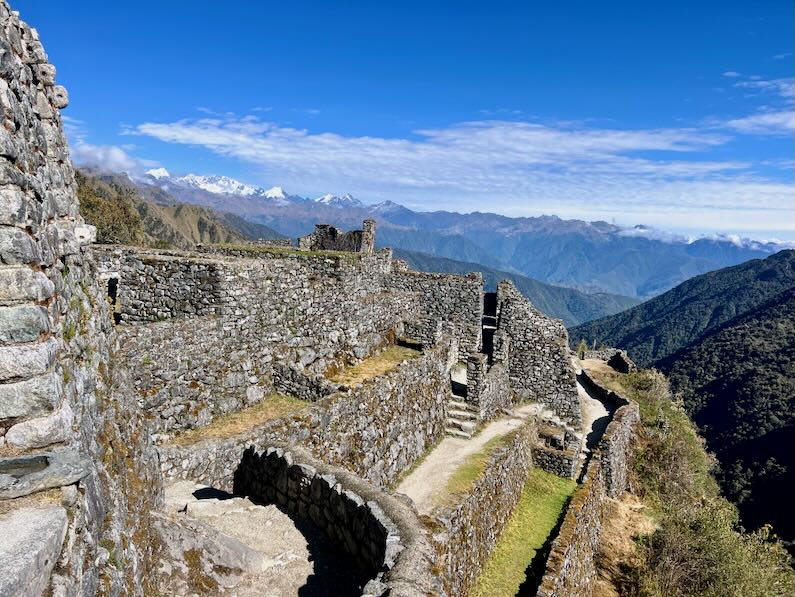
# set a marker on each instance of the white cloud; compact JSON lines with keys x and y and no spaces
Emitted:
{"x":732,"y":74}
{"x":657,"y":176}
{"x":108,"y":158}
{"x":765,"y":123}
{"x":784,"y":87}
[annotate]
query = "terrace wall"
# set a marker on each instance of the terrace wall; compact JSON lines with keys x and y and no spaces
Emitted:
{"x":377,"y":430}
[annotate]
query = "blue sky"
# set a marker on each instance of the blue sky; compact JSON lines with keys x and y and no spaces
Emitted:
{"x":680,"y":116}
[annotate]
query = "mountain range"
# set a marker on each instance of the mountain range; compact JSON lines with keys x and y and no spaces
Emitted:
{"x":593,"y":257}
{"x":727,"y":342}
{"x":126,"y":214}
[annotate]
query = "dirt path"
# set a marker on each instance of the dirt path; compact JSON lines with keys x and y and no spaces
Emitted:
{"x":595,"y":417}
{"x":430,"y":478}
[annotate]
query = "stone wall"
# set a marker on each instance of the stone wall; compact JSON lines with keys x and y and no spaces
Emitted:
{"x":447,"y":298}
{"x":539,"y":361}
{"x":467,"y":532}
{"x":488,"y":387}
{"x":571,"y":567}
{"x":65,"y":422}
{"x":380,"y":532}
{"x":314,"y":313}
{"x":328,"y":238}
{"x":377,"y":429}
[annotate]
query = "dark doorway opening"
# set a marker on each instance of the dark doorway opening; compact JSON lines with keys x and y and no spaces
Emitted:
{"x":113,"y":292}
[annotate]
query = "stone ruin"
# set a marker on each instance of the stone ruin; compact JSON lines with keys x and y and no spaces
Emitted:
{"x":328,"y":238}
{"x":109,"y":355}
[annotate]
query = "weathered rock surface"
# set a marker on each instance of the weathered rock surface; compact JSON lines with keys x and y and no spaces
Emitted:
{"x":31,"y":541}
{"x":24,"y":475}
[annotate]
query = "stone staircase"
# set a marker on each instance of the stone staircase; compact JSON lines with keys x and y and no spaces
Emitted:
{"x":462,"y":418}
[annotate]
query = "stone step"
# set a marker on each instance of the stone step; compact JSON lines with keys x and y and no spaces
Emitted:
{"x":466,"y":415}
{"x":458,"y":405}
{"x":458,"y":433}
{"x":466,"y":426}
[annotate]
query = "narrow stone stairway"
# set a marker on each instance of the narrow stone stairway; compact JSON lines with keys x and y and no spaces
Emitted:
{"x":462,"y":418}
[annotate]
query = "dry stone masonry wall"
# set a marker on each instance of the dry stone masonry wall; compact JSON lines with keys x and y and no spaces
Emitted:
{"x":468,"y":531}
{"x":64,"y":424}
{"x":444,"y":297}
{"x":377,"y":429}
{"x":539,"y":365}
{"x":312,"y":313}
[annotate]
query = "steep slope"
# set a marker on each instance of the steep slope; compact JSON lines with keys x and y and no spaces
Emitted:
{"x":738,"y":383}
{"x":671,"y":321}
{"x":122,"y":215}
{"x":556,"y":301}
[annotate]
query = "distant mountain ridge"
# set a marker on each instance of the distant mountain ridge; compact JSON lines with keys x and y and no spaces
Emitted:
{"x":572,"y":306}
{"x":671,"y":321}
{"x":594,"y":257}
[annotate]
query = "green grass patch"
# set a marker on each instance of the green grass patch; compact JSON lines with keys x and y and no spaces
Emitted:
{"x":543,"y":501}
{"x":378,"y":364}
{"x":472,"y":469}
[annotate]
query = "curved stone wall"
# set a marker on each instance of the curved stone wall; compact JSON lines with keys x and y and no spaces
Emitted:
{"x":379,"y":531}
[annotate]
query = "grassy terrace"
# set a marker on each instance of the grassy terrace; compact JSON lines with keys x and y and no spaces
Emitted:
{"x":383,"y":362}
{"x":521,"y":544}
{"x":285,"y":251}
{"x":269,"y":408}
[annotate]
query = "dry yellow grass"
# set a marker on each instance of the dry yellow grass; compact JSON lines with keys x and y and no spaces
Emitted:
{"x":376,"y":365}
{"x":269,"y":408}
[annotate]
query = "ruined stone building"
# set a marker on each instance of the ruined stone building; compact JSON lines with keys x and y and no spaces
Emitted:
{"x":110,"y":356}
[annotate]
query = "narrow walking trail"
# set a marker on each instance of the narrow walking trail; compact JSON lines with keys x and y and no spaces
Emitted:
{"x":425,"y":484}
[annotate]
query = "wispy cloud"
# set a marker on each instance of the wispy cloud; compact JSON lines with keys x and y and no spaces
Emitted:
{"x":732,"y":74}
{"x":783,"y":87}
{"x":108,"y":158}
{"x":522,"y":167}
{"x":765,"y":123}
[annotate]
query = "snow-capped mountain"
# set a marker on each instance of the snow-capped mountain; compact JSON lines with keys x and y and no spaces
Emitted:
{"x":220,"y":185}
{"x":217,"y":184}
{"x":340,"y":201}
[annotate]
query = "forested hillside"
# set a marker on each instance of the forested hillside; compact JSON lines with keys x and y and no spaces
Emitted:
{"x":727,"y":341}
{"x":671,"y":321}
{"x":738,"y":383}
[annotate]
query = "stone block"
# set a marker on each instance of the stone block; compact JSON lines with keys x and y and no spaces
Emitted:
{"x":42,"y":431}
{"x":32,"y":540}
{"x":30,"y":398}
{"x":17,"y":246}
{"x":27,"y":360}
{"x":24,"y":323}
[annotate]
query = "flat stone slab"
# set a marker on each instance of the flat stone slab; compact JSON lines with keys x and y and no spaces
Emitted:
{"x":30,"y":545}
{"x":24,"y":475}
